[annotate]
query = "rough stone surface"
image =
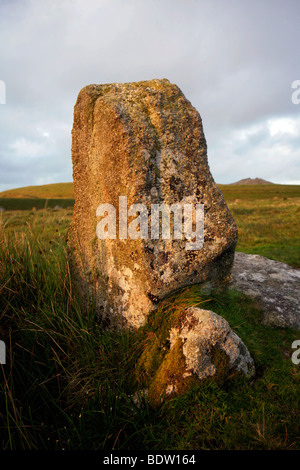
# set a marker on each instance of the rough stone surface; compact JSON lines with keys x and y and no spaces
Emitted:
{"x":202,"y":333}
{"x":144,"y":141}
{"x":275,"y":286}
{"x":200,"y":346}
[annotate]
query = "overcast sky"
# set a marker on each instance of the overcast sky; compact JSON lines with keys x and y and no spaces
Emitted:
{"x":235,"y":60}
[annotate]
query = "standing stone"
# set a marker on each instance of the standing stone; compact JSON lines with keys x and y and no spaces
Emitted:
{"x":143,"y":141}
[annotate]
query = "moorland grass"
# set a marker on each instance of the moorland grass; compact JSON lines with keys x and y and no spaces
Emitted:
{"x":45,"y":191}
{"x":230,"y":192}
{"x":28,"y":204}
{"x":68,"y":384}
{"x":267,"y":216}
{"x":269,"y":228}
{"x":248,"y":192}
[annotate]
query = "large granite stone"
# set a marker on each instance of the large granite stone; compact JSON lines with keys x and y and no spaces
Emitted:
{"x":142,"y":143}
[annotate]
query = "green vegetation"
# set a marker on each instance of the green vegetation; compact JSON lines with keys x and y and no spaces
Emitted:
{"x":158,"y":364}
{"x":19,"y":204}
{"x":269,"y":228}
{"x":231,"y":192}
{"x":267,"y":215}
{"x":259,"y":191}
{"x":68,"y":384}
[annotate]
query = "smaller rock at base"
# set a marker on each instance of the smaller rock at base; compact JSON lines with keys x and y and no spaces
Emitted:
{"x":202,"y":347}
{"x":205,"y":335}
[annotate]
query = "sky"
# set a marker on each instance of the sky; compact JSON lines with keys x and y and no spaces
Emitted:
{"x":235,"y":60}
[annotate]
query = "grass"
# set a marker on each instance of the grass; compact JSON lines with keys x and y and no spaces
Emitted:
{"x":46,"y":191}
{"x":231,"y":192}
{"x":68,"y":384}
{"x":259,"y":191}
{"x":267,"y":216}
{"x":27,"y":204}
{"x":269,"y":228}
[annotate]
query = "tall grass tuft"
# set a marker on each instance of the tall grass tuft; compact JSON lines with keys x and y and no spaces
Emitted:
{"x":59,"y":358}
{"x":67,"y":383}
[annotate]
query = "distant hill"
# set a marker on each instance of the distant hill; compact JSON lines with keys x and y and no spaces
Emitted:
{"x":62,"y":194}
{"x":46,"y":191}
{"x":253,"y":181}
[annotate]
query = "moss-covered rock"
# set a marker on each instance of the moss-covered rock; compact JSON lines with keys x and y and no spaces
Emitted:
{"x":185,"y":345}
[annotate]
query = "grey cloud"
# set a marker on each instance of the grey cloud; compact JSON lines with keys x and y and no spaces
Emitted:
{"x":234,"y":60}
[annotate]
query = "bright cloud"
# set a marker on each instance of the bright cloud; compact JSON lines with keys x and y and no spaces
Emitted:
{"x":283,"y":125}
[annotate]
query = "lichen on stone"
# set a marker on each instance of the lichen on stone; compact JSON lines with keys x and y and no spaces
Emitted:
{"x":145,"y":141}
{"x":187,"y":345}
